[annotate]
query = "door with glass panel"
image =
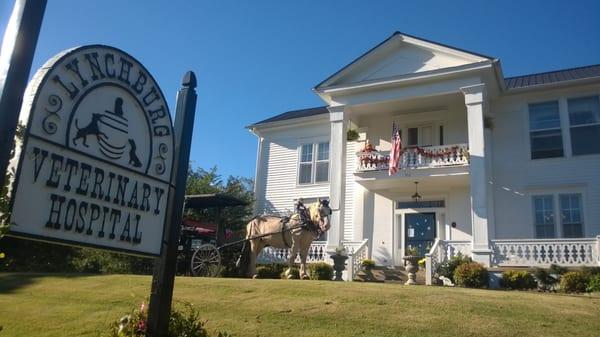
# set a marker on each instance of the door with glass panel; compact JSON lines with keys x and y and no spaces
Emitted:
{"x":419,"y":231}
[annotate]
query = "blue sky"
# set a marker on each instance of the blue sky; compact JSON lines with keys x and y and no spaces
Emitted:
{"x":255,"y":59}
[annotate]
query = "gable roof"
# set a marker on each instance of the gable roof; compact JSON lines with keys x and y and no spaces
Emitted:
{"x":394,"y":36}
{"x":293,"y":114}
{"x":552,"y":77}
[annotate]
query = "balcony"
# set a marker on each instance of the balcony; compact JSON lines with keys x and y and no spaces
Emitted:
{"x":415,"y":158}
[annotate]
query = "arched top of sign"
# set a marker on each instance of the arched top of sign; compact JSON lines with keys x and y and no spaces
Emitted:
{"x":101,"y":102}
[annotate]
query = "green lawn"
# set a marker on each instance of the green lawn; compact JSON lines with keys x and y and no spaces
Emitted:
{"x":74,"y":305}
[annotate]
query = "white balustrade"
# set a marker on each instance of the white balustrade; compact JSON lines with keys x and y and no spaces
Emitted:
{"x":316,"y":253}
{"x":415,"y":157}
{"x":357,"y":251}
{"x":544,"y":252}
{"x":440,"y":252}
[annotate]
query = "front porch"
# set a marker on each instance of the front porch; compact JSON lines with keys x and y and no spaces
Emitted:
{"x":520,"y":253}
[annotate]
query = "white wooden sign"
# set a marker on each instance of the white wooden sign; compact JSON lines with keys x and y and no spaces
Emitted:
{"x":94,"y":166}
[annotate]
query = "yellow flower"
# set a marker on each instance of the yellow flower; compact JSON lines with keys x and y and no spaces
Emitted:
{"x":2,"y":255}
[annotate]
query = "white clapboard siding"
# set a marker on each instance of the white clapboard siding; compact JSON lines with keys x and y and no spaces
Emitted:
{"x":277,"y":178}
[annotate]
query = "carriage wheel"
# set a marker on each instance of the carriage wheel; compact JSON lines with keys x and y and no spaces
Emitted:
{"x":206,"y":261}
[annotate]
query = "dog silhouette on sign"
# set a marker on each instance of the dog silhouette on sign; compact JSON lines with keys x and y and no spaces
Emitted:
{"x":133,"y":158}
{"x":90,"y":129}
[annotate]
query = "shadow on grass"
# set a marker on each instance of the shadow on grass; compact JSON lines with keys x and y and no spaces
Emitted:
{"x":11,"y":282}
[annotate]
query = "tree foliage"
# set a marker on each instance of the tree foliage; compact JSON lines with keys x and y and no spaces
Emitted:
{"x":201,"y":181}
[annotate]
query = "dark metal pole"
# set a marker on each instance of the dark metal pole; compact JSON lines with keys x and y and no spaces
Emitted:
{"x":165,"y":266}
{"x":18,"y":48}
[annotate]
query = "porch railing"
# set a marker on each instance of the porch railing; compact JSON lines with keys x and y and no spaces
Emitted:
{"x":415,"y":157}
{"x":544,"y":252}
{"x":356,"y":250}
{"x":316,"y":253}
{"x":520,"y":253}
{"x":440,"y":252}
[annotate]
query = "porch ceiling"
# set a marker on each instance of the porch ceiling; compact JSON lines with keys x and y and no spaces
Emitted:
{"x":408,"y":106}
{"x":430,"y":180}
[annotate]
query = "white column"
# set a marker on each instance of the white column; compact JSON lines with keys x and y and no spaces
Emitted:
{"x":258,"y":183}
{"x":475,"y":101}
{"x":337,"y":164}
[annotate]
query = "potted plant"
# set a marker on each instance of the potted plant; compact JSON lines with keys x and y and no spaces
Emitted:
{"x":339,"y":257}
{"x":411,"y":259}
{"x":351,"y":135}
{"x":367,"y":264}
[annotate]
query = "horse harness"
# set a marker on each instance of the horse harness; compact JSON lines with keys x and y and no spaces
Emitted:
{"x":304,"y":223}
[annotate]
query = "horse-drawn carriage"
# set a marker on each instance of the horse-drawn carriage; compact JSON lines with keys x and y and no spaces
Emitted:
{"x":296,"y":232}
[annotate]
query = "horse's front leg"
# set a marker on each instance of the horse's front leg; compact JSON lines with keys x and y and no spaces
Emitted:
{"x":255,"y":248}
{"x":291,"y":259}
{"x":303,"y":255}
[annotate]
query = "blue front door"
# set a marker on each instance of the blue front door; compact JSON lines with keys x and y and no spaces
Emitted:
{"x":419,"y":231}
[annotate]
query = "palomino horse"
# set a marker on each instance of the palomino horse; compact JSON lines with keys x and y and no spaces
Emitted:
{"x":296,"y":232}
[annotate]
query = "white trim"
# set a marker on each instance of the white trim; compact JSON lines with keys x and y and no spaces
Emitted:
{"x":398,"y":224}
{"x":405,"y":79}
{"x":556,"y":192}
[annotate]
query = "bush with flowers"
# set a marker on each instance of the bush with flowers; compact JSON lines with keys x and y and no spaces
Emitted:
{"x":182,"y":323}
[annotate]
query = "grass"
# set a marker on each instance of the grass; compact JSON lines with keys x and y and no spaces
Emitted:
{"x":75,"y":305}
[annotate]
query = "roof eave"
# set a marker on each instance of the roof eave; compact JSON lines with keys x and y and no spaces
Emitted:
{"x":568,"y":83}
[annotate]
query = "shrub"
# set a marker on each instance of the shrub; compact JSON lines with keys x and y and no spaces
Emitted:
{"x":320,"y":271}
{"x":594,"y":284}
{"x":448,"y":267}
{"x":558,"y":270}
{"x":545,"y":280}
{"x":518,"y":280}
{"x":422,"y":262}
{"x":574,"y":282}
{"x":367,"y":263}
{"x":590,"y":271}
{"x":183,"y":322}
{"x":471,"y":275}
{"x":294,"y":271}
{"x":272,"y":271}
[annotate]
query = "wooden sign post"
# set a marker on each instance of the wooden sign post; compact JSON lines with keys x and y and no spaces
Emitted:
{"x":165,"y":266}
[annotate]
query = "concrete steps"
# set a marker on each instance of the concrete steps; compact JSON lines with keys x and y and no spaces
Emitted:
{"x":388,"y":275}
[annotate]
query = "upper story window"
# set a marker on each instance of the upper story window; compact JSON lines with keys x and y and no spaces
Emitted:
{"x":584,"y":120}
{"x":544,"y":130}
{"x":314,"y":163}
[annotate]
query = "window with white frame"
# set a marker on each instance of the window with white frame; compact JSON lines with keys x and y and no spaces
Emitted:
{"x":584,"y":120}
{"x":420,"y":136}
{"x":569,"y":207}
{"x":543,"y":216}
{"x":571,"y":215}
{"x":314,"y":163}
{"x":544,"y":130}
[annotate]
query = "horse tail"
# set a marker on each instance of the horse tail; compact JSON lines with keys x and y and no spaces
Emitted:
{"x":244,"y":260}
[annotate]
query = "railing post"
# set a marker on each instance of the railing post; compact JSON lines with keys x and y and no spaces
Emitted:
{"x":598,"y":249}
{"x":428,"y":270}
{"x":350,"y":274}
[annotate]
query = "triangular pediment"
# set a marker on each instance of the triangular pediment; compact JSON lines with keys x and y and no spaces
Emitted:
{"x":401,"y":55}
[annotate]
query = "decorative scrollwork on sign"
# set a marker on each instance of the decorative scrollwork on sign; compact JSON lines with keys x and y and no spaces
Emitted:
{"x":49,"y":122}
{"x":160,"y":166}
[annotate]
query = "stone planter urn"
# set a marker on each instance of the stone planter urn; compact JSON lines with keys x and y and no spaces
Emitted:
{"x":339,"y":264}
{"x":412,"y":266}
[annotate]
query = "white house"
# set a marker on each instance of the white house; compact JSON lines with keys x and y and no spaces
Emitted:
{"x":508,"y":169}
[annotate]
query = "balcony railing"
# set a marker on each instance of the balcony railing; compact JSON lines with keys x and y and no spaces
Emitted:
{"x":415,"y":157}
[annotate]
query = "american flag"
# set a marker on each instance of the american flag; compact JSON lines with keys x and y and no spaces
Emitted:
{"x":395,"y":152}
